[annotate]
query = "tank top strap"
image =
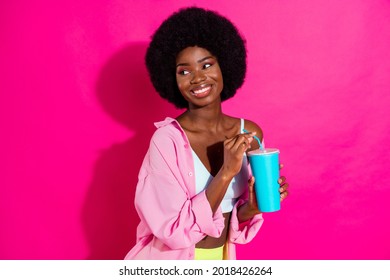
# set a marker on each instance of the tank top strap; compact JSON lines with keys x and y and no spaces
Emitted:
{"x":242,"y":126}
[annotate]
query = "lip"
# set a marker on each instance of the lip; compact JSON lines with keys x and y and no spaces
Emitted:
{"x":201,"y":91}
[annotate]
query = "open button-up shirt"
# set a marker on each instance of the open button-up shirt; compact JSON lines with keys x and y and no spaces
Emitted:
{"x":173,"y":217}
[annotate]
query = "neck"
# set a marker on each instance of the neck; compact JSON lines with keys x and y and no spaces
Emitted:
{"x":205,"y":118}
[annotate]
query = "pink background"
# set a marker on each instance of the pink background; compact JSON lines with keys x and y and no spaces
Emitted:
{"x":77,"y":112}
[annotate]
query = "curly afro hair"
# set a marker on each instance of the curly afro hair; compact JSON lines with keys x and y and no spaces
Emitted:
{"x":195,"y":27}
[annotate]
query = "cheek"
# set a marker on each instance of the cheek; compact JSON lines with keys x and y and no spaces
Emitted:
{"x":217,"y":76}
{"x":181,"y":84}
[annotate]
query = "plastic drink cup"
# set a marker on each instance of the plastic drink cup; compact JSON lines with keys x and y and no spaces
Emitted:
{"x":265,"y":168}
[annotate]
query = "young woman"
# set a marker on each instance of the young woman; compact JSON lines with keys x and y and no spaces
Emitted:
{"x":195,"y":195}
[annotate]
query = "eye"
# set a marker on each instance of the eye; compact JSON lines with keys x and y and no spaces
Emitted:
{"x":207,"y":65}
{"x":183,"y":72}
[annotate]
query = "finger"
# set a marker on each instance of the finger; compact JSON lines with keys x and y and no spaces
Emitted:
{"x":283,"y":196}
{"x":248,"y":136}
{"x":237,"y":138}
{"x":251,"y":188}
{"x":252,"y":133}
{"x":229,"y":143}
{"x":244,"y":146}
{"x":243,"y":137}
{"x":251,"y":183}
{"x":283,"y":188}
{"x":281,"y":166}
{"x":243,"y":142}
{"x":240,"y":144}
{"x":281,"y":180}
{"x":251,"y":191}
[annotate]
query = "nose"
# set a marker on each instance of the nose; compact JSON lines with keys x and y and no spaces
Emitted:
{"x":197,"y":77}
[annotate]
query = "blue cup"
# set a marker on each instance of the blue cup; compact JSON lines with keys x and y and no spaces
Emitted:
{"x":265,"y":168}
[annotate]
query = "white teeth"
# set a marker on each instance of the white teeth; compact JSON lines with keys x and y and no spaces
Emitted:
{"x":201,"y":90}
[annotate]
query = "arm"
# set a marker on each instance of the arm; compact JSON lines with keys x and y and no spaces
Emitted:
{"x":163,"y":201}
{"x":233,"y":150}
{"x":246,"y":218}
{"x":249,"y":209}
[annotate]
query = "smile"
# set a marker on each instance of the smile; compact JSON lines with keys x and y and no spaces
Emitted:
{"x":201,"y":91}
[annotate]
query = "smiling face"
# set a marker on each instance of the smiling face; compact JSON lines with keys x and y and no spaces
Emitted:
{"x":198,"y":76}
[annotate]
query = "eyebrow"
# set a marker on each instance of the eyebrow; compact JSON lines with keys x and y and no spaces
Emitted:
{"x":199,"y":61}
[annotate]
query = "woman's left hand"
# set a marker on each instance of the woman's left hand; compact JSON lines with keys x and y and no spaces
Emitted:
{"x":283,"y":186}
{"x":250,"y":209}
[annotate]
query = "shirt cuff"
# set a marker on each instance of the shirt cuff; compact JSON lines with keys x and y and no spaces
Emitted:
{"x":208,"y":223}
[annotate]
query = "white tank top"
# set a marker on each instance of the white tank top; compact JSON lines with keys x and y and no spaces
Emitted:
{"x":236,"y":187}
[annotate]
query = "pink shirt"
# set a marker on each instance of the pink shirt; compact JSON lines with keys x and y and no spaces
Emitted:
{"x":173,"y":217}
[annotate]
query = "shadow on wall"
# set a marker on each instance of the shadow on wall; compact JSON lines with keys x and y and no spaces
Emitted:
{"x":126,"y":94}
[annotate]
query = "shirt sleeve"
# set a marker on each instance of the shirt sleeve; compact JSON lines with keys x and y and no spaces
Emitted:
{"x":164,"y":204}
{"x":242,"y":233}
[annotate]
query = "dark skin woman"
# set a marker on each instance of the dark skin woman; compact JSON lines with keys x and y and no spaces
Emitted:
{"x":196,"y":60}
{"x":214,"y":136}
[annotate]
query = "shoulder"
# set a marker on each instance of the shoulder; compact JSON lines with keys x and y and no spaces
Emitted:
{"x":252,"y":126}
{"x":248,"y":125}
{"x":168,"y":131}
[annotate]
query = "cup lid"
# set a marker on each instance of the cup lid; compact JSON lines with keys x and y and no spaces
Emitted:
{"x":264,"y":152}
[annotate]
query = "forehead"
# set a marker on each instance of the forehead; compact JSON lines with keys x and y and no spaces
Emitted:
{"x":191,"y":54}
